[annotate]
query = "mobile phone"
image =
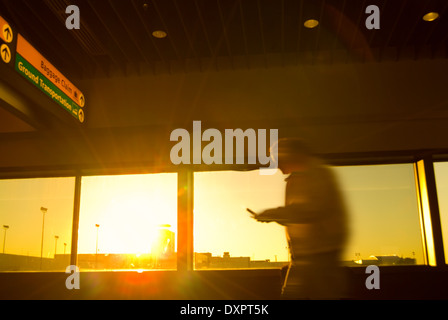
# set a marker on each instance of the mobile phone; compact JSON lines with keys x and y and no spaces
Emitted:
{"x":251,"y":212}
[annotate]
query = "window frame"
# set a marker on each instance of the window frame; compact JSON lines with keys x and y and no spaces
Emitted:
{"x":437,"y":219}
{"x":185,"y":178}
{"x":45,"y":174}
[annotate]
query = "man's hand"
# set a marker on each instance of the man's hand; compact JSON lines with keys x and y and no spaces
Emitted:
{"x":265,"y":216}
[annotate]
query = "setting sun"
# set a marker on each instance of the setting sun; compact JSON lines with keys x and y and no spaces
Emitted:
{"x":130,"y":210}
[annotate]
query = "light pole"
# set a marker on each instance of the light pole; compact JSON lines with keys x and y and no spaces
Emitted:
{"x":4,"y":237}
{"x":96,"y":251}
{"x":97,"y":228}
{"x":55,"y":245}
{"x":44,"y":210}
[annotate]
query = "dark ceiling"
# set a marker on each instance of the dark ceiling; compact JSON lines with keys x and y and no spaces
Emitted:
{"x":116,"y":35}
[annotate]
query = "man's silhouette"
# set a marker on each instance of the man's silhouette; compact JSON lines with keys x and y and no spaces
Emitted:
{"x":316,"y":224}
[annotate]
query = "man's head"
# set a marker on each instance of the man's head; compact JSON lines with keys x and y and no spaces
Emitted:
{"x":294,"y":155}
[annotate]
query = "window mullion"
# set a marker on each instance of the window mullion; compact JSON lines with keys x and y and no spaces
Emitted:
{"x":185,"y":220}
{"x":75,"y":226}
{"x":429,"y":208}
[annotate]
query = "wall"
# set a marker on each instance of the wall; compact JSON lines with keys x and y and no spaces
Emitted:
{"x":395,"y":283}
{"x":339,"y":108}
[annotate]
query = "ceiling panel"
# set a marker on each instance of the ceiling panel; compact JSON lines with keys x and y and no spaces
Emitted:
{"x":117,"y":36}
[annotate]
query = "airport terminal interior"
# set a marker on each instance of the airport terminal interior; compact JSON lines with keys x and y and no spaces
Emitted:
{"x":116,"y":176}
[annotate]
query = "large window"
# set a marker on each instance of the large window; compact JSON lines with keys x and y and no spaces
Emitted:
{"x":128,"y":222}
{"x":441,"y":173}
{"x":381,"y":201}
{"x":225,"y":235}
{"x":36,"y":220}
{"x":384,"y":214}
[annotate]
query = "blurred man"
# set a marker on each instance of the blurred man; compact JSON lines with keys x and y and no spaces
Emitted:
{"x":316,"y":224}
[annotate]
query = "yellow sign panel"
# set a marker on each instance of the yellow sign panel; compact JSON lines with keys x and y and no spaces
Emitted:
{"x":29,"y":53}
{"x":6,"y":31}
{"x":5,"y":53}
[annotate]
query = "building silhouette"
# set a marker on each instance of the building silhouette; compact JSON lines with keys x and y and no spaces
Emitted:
{"x":382,"y":260}
{"x":208,"y":261}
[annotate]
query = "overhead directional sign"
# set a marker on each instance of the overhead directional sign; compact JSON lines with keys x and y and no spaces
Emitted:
{"x":30,"y":54}
{"x":17,"y":52}
{"x":47,"y":87}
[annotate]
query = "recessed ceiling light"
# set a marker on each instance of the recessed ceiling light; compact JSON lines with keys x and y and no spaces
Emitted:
{"x":430,"y":16}
{"x":160,"y":34}
{"x":311,"y":23}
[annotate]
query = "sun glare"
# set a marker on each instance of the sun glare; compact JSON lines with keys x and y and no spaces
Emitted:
{"x":131,"y":211}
